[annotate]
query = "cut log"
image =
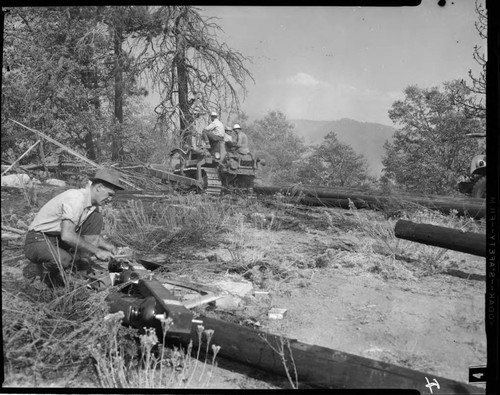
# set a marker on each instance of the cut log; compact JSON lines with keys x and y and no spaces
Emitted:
{"x":462,"y":274}
{"x":439,"y":236}
{"x":125,"y":195}
{"x":475,"y":208}
{"x":317,"y":366}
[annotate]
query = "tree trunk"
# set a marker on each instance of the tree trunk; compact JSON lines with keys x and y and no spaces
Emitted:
{"x":42,"y":153}
{"x":117,"y":142}
{"x":185,"y":117}
{"x":90,"y":147}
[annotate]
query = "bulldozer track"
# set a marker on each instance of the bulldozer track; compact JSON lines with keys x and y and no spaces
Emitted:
{"x":214,"y":185}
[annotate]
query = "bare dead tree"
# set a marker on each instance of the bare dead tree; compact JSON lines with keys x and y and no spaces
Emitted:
{"x":182,"y":58}
{"x":472,"y":97}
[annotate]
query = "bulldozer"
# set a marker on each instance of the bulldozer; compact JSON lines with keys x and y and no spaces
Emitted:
{"x":215,"y":169}
{"x":475,"y":186}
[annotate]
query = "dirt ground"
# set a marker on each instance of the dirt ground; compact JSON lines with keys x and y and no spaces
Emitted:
{"x":341,"y":291}
{"x":434,"y":325}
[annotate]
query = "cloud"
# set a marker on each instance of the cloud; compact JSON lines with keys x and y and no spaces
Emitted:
{"x":298,"y":80}
{"x":303,"y":79}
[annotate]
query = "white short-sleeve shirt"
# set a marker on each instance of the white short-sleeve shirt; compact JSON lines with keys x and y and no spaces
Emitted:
{"x":217,"y":128}
{"x":74,"y":205}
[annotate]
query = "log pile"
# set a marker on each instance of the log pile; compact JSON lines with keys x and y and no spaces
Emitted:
{"x":345,"y":198}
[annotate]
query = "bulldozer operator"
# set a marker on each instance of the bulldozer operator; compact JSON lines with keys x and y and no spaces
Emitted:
{"x":237,"y":149}
{"x":240,"y":141}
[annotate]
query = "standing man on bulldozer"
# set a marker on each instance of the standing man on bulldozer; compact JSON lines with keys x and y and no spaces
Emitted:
{"x":214,"y":132}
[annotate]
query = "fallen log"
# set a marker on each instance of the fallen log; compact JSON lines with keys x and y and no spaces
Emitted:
{"x":475,"y":208}
{"x":462,"y":274}
{"x":317,"y":366}
{"x":71,"y":151}
{"x":22,"y":156}
{"x":439,"y":236}
{"x":125,"y":195}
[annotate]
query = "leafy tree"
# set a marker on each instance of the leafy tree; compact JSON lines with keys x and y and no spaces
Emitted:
{"x":333,"y":164}
{"x":273,"y":138}
{"x":41,"y":80}
{"x":430,"y":150}
{"x":64,"y":57}
{"x":143,"y":141}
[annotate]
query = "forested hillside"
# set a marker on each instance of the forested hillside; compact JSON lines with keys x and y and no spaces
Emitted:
{"x":365,"y":138}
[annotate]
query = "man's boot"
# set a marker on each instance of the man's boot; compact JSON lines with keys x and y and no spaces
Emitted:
{"x":51,"y":276}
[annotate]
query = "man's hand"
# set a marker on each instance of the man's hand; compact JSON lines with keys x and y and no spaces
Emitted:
{"x":111,"y":248}
{"x":102,"y":243}
{"x":104,"y":255}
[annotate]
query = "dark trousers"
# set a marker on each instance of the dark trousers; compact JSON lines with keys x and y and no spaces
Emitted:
{"x":49,"y":252}
{"x":209,"y":137}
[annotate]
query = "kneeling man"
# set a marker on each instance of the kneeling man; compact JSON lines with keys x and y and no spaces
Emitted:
{"x":68,"y":228}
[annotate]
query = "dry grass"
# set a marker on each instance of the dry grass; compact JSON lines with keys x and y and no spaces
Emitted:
{"x":195,"y":219}
{"x":374,"y":248}
{"x":64,"y":336}
{"x":263,"y":266}
{"x":57,"y":333}
{"x":47,"y":331}
{"x":30,"y":193}
{"x":407,"y":259}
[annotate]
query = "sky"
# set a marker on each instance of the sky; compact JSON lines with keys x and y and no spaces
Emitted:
{"x":328,"y":63}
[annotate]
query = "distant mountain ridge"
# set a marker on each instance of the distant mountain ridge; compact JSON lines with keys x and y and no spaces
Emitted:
{"x":366,"y":138}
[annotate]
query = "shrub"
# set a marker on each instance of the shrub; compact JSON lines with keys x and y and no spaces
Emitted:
{"x":55,"y":335}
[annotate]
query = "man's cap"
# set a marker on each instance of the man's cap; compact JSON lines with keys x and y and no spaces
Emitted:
{"x":236,"y":126}
{"x":227,"y":128}
{"x":111,"y":176}
{"x":214,"y":114}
